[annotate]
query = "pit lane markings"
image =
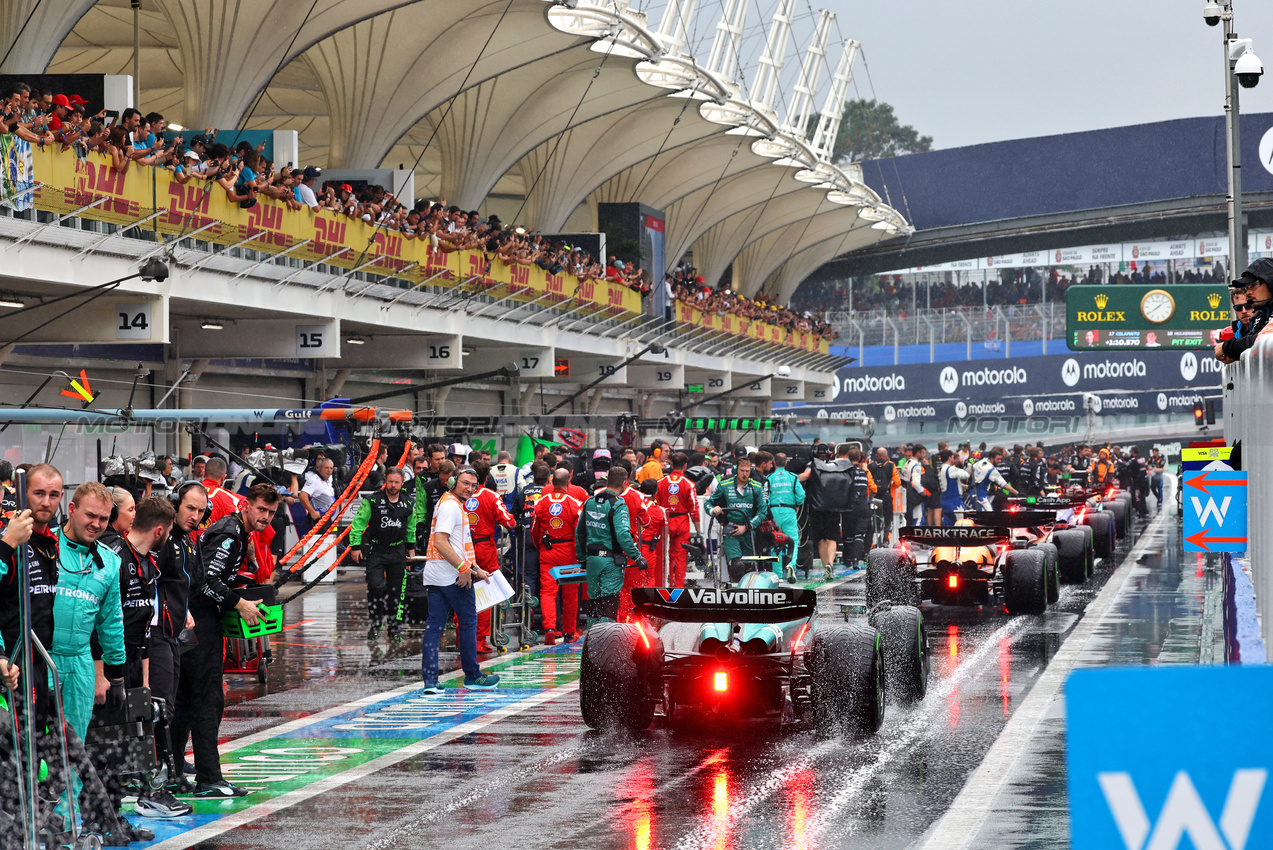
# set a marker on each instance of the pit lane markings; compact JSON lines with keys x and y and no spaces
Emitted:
{"x":328,"y":755}
{"x":959,"y":827}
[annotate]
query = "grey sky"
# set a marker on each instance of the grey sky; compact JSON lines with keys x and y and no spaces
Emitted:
{"x":967,"y":73}
{"x":1030,"y":68}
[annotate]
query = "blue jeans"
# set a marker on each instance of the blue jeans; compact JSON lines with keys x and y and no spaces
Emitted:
{"x":444,"y":599}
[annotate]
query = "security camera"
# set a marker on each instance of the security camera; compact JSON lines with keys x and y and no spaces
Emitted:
{"x":1211,"y":14}
{"x":1248,"y":69}
{"x":784,"y":371}
{"x":156,"y":269}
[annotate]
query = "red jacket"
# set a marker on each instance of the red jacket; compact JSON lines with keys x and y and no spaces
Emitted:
{"x":575,"y":491}
{"x":556,"y":516}
{"x":677,"y":495}
{"x":485,"y":510}
{"x":638,"y":511}
{"x":655,"y":520}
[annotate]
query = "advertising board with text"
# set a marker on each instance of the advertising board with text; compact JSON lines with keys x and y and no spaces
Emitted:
{"x":1179,"y":316}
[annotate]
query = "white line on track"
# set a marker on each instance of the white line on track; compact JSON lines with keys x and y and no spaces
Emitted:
{"x":958,"y":828}
{"x":291,"y":798}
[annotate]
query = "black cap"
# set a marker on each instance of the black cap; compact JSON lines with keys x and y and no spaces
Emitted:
{"x":1244,"y":280}
{"x":1261,"y":269}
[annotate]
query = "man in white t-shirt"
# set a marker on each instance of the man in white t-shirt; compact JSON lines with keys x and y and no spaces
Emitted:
{"x":317,"y":495}
{"x":450,"y":569}
{"x":304,"y":191}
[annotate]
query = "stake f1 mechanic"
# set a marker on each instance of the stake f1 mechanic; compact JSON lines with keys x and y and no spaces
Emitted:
{"x":680,"y":503}
{"x":553,"y":532}
{"x":604,"y":537}
{"x":786,"y":494}
{"x":223,"y":549}
{"x":383,"y":528}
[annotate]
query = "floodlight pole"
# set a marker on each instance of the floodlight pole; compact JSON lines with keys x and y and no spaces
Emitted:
{"x":1233,"y":138}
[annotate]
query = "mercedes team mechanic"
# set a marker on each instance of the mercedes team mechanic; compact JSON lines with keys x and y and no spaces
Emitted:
{"x":676,"y":494}
{"x":604,"y":538}
{"x":223,"y":550}
{"x":988,"y":480}
{"x":138,"y":589}
{"x":30,"y":528}
{"x":556,"y":519}
{"x":383,"y":534}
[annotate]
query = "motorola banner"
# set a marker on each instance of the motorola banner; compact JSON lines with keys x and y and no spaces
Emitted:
{"x":1010,"y":381}
{"x":1104,"y":403}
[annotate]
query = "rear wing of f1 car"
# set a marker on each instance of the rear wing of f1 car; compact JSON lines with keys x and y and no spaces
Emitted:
{"x":1011,"y":518}
{"x":1050,"y":503}
{"x":956,"y":535}
{"x":725,"y":605}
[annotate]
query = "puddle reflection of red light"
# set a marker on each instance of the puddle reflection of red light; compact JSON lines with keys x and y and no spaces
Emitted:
{"x":952,"y":661}
{"x":720,"y":809}
{"x":800,"y":795}
{"x":1005,"y":674}
{"x":640,"y":817}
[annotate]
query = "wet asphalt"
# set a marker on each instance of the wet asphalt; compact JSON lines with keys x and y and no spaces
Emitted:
{"x":540,"y":778}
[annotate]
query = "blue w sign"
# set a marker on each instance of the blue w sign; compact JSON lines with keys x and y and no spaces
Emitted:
{"x":1215,"y":511}
{"x":1156,"y":761}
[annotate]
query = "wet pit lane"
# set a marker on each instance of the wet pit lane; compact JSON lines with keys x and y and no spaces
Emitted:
{"x":344,"y":747}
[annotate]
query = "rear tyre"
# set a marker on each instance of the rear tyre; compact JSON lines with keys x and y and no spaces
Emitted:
{"x":1071,"y":554}
{"x":847,"y":666}
{"x":612,"y":680}
{"x":1053,"y":573}
{"x":890,"y":577}
{"x":1088,"y":548}
{"x":1118,"y":511}
{"x":1102,"y":525}
{"x":906,"y":660}
{"x":1025,"y":582}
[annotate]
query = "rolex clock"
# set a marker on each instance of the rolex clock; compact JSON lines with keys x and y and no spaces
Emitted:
{"x":1157,"y":306}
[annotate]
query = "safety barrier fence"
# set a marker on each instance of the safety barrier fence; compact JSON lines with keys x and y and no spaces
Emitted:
{"x":1248,"y":412}
{"x":66,"y":185}
{"x":938,"y":326}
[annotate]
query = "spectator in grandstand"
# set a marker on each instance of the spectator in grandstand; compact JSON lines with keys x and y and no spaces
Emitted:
{"x":304,"y":191}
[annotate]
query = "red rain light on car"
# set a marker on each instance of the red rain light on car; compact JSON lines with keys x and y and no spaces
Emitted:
{"x":720,"y":682}
{"x":952,"y":582}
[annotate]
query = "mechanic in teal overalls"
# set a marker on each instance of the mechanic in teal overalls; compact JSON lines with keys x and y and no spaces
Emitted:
{"x":87,"y":601}
{"x":740,"y":502}
{"x":786,"y":493}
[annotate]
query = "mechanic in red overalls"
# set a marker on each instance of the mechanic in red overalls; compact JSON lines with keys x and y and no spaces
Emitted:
{"x":486,"y":509}
{"x":553,"y":532}
{"x":677,"y":496}
{"x":638,"y":517}
{"x":652,"y":533}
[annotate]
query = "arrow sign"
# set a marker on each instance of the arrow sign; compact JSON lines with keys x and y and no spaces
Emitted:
{"x":1202,"y":482}
{"x":1201,"y":539}
{"x":80,"y":390}
{"x":1215,"y":508}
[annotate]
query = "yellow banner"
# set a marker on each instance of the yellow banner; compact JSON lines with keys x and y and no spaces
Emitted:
{"x":71,"y":183}
{"x":729,"y":323}
{"x":1214,"y":453}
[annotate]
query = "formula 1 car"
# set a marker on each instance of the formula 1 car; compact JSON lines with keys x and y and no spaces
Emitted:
{"x":969,"y":564}
{"x":752,"y":650}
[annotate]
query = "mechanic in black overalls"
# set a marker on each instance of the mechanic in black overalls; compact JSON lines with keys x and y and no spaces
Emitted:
{"x":1009,"y":469}
{"x":382,"y":532}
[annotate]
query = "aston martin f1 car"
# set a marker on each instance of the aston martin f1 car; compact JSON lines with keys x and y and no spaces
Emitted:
{"x":751,"y":650}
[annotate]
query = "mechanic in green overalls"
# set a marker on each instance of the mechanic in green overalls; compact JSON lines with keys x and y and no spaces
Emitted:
{"x":740,"y":502}
{"x":87,"y":601}
{"x":786,"y":493}
{"x":604,"y":533}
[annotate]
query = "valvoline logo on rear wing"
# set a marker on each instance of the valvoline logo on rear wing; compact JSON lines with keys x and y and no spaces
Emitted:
{"x":725,"y":605}
{"x":955,"y":535}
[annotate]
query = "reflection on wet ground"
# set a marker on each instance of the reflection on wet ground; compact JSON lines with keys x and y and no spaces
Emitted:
{"x":529,"y":774}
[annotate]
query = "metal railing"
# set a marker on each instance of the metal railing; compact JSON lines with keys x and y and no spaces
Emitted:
{"x":1248,"y":410}
{"x":1015,"y":323}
